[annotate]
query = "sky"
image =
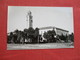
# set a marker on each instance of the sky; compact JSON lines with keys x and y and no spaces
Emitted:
{"x":61,"y":17}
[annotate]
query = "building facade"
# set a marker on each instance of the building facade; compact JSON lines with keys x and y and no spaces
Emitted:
{"x":58,"y":31}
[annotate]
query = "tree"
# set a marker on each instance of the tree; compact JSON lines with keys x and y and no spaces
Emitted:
{"x":16,"y":30}
{"x":49,"y":35}
{"x":11,"y":37}
{"x":25,"y":30}
{"x":31,"y":31}
{"x":64,"y":37}
{"x":36,"y":31}
{"x":45,"y":35}
{"x":36,"y":35}
{"x":71,"y":37}
{"x":25,"y":33}
{"x":30,"y":34}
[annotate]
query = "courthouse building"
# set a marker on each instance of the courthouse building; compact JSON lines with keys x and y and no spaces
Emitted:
{"x":58,"y":31}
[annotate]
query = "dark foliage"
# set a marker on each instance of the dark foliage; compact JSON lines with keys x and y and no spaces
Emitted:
{"x":71,"y":37}
{"x":49,"y":35}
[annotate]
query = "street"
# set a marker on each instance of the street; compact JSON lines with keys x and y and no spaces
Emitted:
{"x":38,"y":46}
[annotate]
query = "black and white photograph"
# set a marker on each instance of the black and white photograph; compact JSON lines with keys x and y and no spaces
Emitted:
{"x":33,"y":27}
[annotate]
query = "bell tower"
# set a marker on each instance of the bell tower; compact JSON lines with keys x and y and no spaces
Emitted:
{"x":30,"y":19}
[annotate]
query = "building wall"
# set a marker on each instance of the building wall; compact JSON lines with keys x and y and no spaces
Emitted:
{"x":42,"y":31}
{"x":58,"y":31}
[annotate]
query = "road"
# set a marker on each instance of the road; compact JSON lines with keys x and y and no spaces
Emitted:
{"x":38,"y":46}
